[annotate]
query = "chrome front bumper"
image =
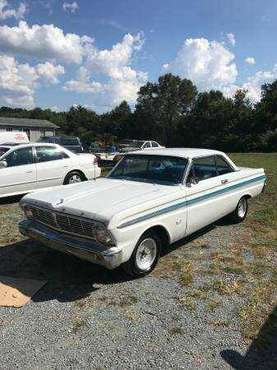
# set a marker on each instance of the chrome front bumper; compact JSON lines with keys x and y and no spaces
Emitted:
{"x":82,"y":248}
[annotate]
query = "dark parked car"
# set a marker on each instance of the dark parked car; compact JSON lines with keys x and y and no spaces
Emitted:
{"x":69,"y":142}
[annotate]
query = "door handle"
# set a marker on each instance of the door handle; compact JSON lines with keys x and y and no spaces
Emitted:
{"x":29,"y":172}
{"x":224,"y":181}
{"x":65,"y":166}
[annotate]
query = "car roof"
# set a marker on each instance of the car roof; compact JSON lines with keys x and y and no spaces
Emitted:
{"x":12,"y":145}
{"x":179,"y":152}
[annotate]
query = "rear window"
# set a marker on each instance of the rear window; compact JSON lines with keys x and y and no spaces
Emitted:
{"x":69,"y":141}
{"x":3,"y":150}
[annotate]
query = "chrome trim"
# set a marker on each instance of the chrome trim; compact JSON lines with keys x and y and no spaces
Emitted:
{"x":67,"y":215}
{"x":87,"y":250}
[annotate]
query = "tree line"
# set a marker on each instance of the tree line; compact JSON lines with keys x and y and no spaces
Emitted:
{"x":173,"y":112}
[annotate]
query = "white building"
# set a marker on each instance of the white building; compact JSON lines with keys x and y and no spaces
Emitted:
{"x":34,"y":128}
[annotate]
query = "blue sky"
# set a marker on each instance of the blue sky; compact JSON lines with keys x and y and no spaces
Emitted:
{"x":56,"y":53}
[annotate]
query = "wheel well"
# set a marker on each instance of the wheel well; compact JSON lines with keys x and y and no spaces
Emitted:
{"x":79,"y":171}
{"x":162,"y":232}
{"x":247,"y":196}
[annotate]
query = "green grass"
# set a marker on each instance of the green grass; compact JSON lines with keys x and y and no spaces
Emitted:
{"x":261,"y":224}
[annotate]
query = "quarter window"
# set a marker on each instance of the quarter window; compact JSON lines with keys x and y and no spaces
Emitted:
{"x":20,"y":157}
{"x":48,"y":153}
{"x":222,"y":166}
{"x":202,"y":168}
{"x":154,"y":144}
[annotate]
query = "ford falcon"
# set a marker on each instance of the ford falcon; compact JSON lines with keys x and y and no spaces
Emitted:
{"x":148,"y":201}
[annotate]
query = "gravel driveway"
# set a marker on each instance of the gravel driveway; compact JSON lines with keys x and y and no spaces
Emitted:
{"x":184,"y":315}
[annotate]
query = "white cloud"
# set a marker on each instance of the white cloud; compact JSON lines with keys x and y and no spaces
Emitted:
{"x":71,"y":7}
{"x":113,"y":62}
{"x":250,"y":60}
{"x":44,"y":42}
{"x":209,"y":65}
{"x":7,"y":12}
{"x":114,"y":66}
{"x":49,"y":72}
{"x":83,"y":83}
{"x":231,"y":38}
{"x":253,"y":83}
{"x":19,"y":81}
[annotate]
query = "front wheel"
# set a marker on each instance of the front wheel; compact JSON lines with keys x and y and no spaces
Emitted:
{"x":241,"y":210}
{"x":145,"y":255}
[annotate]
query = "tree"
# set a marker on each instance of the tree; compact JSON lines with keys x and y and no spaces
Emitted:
{"x":117,"y":122}
{"x":161,"y":105}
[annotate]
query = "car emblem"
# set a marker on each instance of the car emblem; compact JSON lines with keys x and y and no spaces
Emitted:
{"x":59,"y":202}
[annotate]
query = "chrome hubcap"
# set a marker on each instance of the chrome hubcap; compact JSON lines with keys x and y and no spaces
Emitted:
{"x":146,"y":254}
{"x":74,"y":179}
{"x":242,"y":208}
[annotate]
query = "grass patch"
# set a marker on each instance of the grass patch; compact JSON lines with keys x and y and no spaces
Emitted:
{"x":186,"y":275}
{"x":223,"y":287}
{"x":123,"y":301}
{"x":213,"y":304}
{"x":188,"y":302}
{"x":78,"y":325}
{"x":176,"y":330}
{"x":254,"y":313}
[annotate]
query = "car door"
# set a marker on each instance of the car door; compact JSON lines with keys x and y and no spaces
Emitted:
{"x":205,"y":199}
{"x":227,"y":175}
{"x":52,"y":165}
{"x":20,"y":174}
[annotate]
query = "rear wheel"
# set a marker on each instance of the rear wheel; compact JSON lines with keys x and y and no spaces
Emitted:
{"x":241,"y":210}
{"x":73,"y":178}
{"x":145,"y":255}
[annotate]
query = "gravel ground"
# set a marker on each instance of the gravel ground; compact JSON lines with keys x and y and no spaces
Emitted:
{"x":87,"y":317}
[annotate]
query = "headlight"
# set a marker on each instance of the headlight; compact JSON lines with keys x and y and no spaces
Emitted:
{"x":28,"y":212}
{"x":103,"y":235}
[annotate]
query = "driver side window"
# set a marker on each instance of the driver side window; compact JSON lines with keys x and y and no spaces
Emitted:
{"x":202,"y":169}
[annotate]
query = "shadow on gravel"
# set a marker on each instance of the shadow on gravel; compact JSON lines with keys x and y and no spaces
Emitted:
{"x":68,"y":278}
{"x":262,"y":353}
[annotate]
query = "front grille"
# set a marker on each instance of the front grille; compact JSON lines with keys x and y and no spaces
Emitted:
{"x":65,"y":223}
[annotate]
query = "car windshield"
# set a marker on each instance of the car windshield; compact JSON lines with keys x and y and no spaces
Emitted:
{"x":150,"y":168}
{"x":3,"y":150}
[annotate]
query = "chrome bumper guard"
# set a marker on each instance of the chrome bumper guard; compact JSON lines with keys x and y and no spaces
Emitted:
{"x":79,"y":247}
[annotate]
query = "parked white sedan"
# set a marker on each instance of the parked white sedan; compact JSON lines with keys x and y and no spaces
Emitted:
{"x":28,"y":167}
{"x":148,"y":201}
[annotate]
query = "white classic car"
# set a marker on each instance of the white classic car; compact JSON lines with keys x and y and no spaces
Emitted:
{"x":134,"y":145}
{"x":28,"y":167}
{"x":127,"y":146}
{"x":147,"y":201}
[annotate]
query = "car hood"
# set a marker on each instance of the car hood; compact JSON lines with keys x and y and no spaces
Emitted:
{"x":106,"y":200}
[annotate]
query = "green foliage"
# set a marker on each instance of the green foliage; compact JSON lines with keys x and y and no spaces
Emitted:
{"x":172,"y":112}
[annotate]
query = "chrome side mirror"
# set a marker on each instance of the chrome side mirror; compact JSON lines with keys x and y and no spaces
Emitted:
{"x":3,"y":164}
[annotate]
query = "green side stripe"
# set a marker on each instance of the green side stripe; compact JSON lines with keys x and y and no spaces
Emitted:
{"x":190,"y":202}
